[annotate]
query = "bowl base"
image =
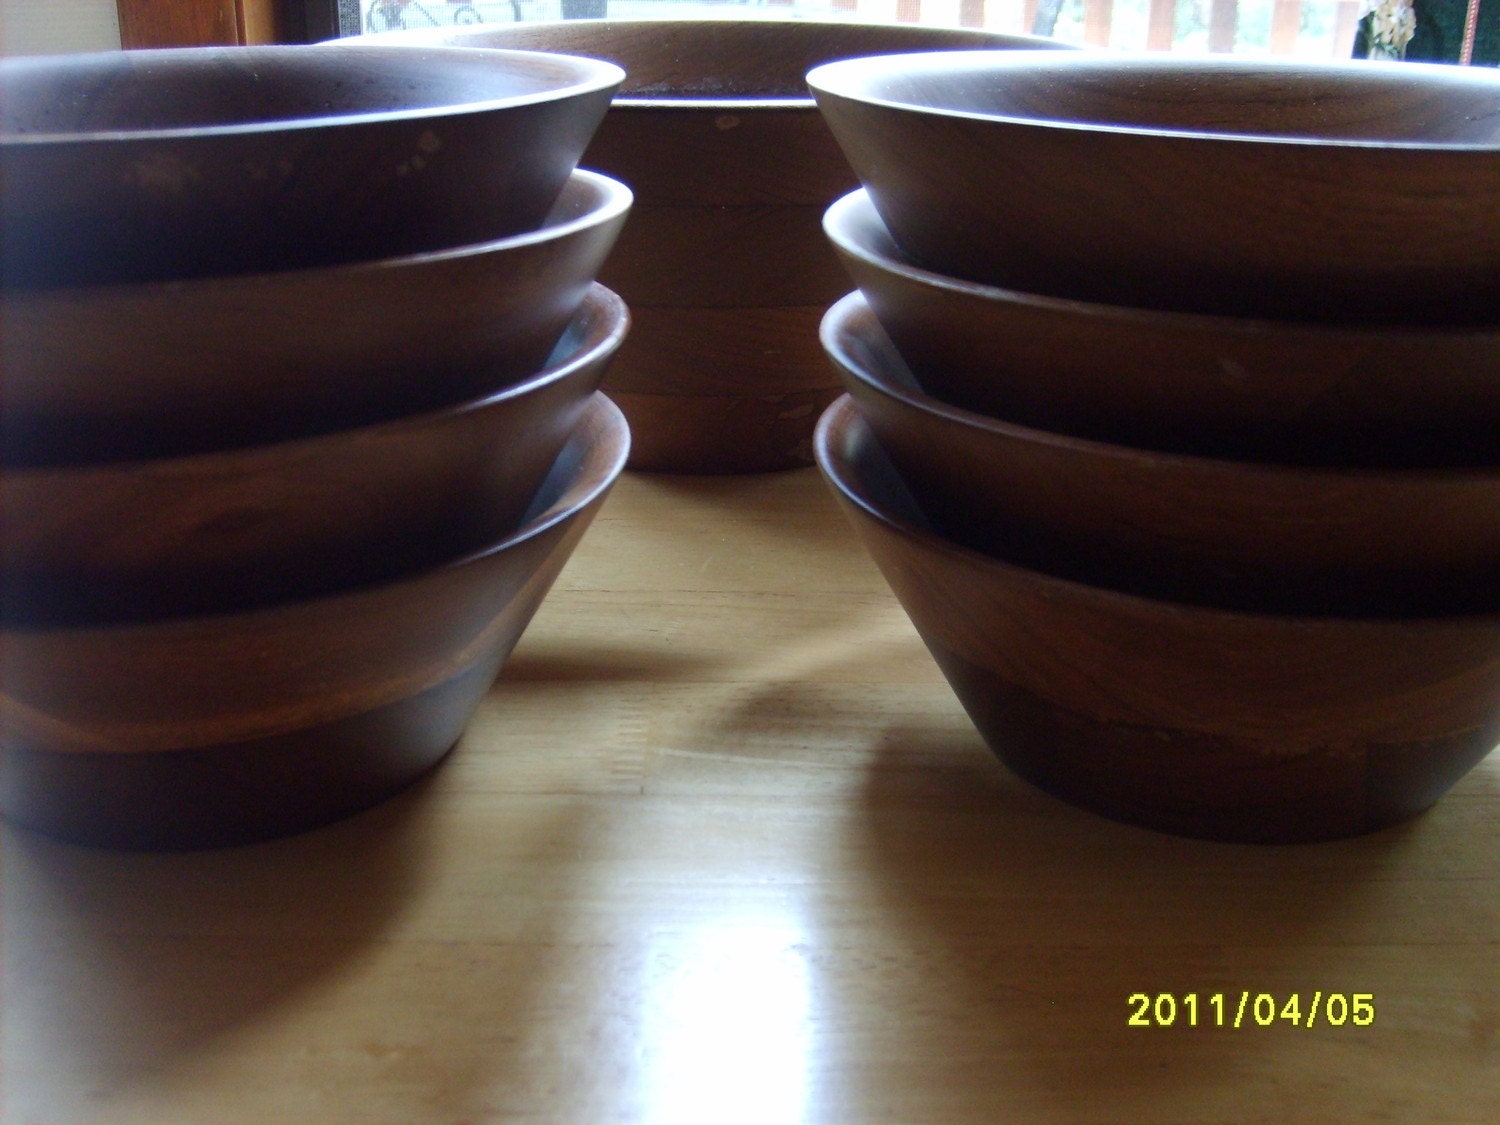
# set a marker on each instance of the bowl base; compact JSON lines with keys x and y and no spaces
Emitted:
{"x":1207,"y":786}
{"x":241,"y":792}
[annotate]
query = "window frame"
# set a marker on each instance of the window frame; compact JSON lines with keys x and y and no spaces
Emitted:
{"x":200,"y":23}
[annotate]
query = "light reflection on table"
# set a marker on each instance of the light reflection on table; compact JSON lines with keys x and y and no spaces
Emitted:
{"x":727,"y":1032}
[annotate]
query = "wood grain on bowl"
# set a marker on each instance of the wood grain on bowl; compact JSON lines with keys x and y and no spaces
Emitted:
{"x":187,"y":162}
{"x":722,"y":433}
{"x":762,"y":351}
{"x":223,"y":727}
{"x":1228,"y":184}
{"x":1187,"y":719}
{"x":152,"y":369}
{"x":1308,"y":539}
{"x":716,"y":132}
{"x":1247,"y":388}
{"x":747,"y":407}
{"x":253,"y":525}
{"x":749,"y":257}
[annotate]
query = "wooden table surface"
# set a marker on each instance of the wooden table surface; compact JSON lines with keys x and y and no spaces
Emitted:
{"x":721,"y":847}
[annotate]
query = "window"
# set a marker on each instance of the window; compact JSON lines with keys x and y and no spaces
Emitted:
{"x":1314,"y":28}
{"x":1307,"y":28}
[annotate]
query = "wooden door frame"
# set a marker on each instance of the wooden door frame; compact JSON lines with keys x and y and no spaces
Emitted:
{"x":202,"y":23}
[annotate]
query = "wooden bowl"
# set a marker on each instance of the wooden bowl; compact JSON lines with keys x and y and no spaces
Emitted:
{"x":217,"y":729}
{"x":138,"y":165}
{"x":1190,"y":720}
{"x":1216,"y":386}
{"x":732,"y":166}
{"x":1307,"y":190}
{"x":255,"y":525}
{"x":1251,"y":535}
{"x":152,"y":369}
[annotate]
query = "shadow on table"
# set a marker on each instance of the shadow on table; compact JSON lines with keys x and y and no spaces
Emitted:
{"x":121,"y":966}
{"x":731,"y":489}
{"x":582,"y":664}
{"x":394,"y":966}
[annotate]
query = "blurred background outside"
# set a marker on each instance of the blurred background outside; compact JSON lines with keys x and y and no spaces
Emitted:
{"x":1311,"y":28}
{"x":1431,"y":30}
{"x":1305,"y":28}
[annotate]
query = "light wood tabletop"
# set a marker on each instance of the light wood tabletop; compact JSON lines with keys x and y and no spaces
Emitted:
{"x":721,"y":846}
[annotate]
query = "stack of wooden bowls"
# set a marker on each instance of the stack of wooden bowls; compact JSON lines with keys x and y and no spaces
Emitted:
{"x":300,"y":419}
{"x":723,"y":263}
{"x":1175,"y":419}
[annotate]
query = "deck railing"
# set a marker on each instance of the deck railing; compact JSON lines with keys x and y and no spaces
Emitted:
{"x":1283,"y":27}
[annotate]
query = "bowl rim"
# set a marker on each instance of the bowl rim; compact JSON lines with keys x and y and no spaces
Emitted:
{"x":844,"y":213}
{"x":838,"y":324}
{"x":844,"y":412}
{"x":599,"y":465}
{"x":712,"y":24}
{"x":576,"y":76}
{"x":595,"y":467}
{"x":605,"y":337}
{"x":848,"y":79}
{"x":612,"y":199}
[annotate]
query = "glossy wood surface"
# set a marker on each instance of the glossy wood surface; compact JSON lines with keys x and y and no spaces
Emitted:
{"x":747,"y":257}
{"x":705,"y":101}
{"x":159,"y":164}
{"x":747,"y":407}
{"x":721,"y":846}
{"x":716,"y":133}
{"x":1228,"y":185}
{"x":723,"y":433}
{"x":690,"y":62}
{"x":1256,"y":535}
{"x":194,"y":730}
{"x":1242,"y":727}
{"x":111,"y":372}
{"x":1221,"y":386}
{"x":769,"y":351}
{"x":252,"y":525}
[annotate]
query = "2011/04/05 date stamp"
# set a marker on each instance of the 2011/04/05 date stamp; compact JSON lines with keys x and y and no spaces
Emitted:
{"x":1259,"y":1009}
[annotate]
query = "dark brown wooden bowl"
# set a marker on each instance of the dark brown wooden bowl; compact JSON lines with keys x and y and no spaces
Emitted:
{"x":259,"y":524}
{"x":716,"y":112}
{"x":218,"y":729}
{"x":694,"y":411}
{"x":1252,"y":535}
{"x":1216,"y":386}
{"x":722,"y":433}
{"x":151,"y":369}
{"x":732,"y":166}
{"x":1190,"y":720}
{"x":1309,"y":190}
{"x":185,"y":162}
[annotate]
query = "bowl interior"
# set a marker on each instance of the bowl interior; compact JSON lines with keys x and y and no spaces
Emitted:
{"x":856,"y":465}
{"x":99,"y":95}
{"x":203,"y":161}
{"x":587,"y":466}
{"x":1416,"y":104}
